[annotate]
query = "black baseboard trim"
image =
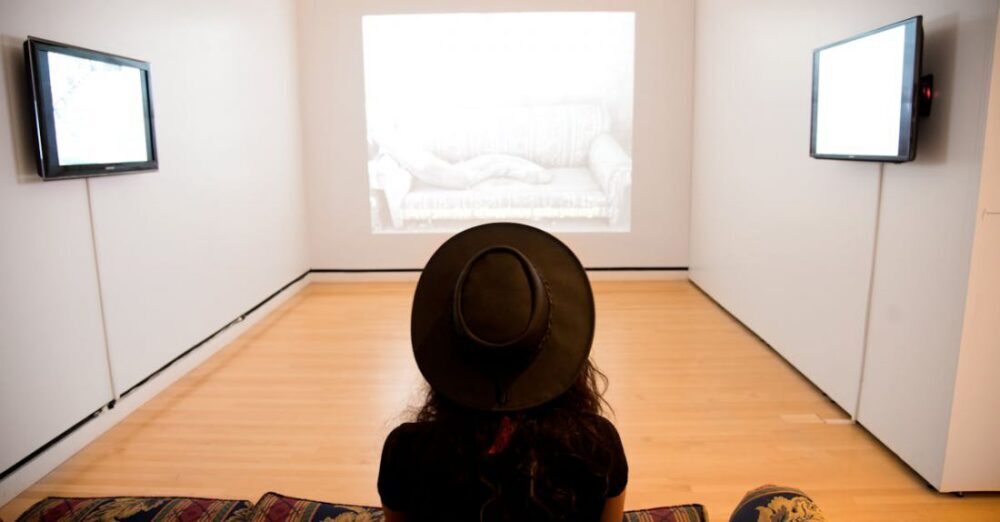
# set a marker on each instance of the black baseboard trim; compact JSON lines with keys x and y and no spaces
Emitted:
{"x":636,"y":269}
{"x":768,"y":345}
{"x":239,"y":319}
{"x":816,"y":387}
{"x":19,"y":464}
{"x":362,"y":270}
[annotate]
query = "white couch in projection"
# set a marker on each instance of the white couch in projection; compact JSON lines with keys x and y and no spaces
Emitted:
{"x":476,"y":117}
{"x":552,"y":165}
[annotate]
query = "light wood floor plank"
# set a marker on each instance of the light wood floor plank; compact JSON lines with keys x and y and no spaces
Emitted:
{"x":301,"y":403}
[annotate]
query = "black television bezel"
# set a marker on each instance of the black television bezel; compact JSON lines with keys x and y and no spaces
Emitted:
{"x":912,"y":62}
{"x":47,"y":153}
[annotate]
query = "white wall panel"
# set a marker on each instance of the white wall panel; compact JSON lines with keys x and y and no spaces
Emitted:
{"x":221,"y":226}
{"x":786,"y":243}
{"x":972,"y":461}
{"x":925,"y":244}
{"x":781,"y":240}
{"x":53,"y":368}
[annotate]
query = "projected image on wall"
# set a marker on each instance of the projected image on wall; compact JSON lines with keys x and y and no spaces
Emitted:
{"x":499,"y":117}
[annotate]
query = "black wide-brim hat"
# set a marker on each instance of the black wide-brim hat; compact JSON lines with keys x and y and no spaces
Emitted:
{"x":503,"y":318}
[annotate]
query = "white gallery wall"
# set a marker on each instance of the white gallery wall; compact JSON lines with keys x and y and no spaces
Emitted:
{"x":781,"y":240}
{"x":179,"y":252}
{"x":261,"y":132}
{"x":928,"y":217}
{"x":52,"y":356}
{"x":975,"y":422}
{"x":788,"y":243}
{"x":336,"y":152}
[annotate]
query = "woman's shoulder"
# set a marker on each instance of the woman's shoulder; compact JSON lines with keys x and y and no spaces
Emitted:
{"x":413,"y":435}
{"x":410,"y":427}
{"x":617,"y":461}
{"x":601,"y":425}
{"x":607,"y":437}
{"x":404,"y":441}
{"x":407,"y":431}
{"x":601,"y":420}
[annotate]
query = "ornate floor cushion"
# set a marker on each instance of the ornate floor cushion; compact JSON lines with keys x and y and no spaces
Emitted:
{"x":777,"y":504}
{"x":684,"y":513}
{"x":137,"y":509}
{"x":273,"y":507}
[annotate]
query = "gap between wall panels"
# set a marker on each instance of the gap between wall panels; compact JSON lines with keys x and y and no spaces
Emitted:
{"x":100,"y":299}
{"x":871,"y":291}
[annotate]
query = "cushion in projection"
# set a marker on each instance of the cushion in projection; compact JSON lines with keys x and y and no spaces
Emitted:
{"x":571,"y":193}
{"x":137,"y":509}
{"x":777,"y":504}
{"x":507,"y":166}
{"x":273,"y":507}
{"x":426,"y":166}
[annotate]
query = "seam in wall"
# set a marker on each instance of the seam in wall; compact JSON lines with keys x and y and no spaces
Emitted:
{"x":100,"y":292}
{"x":871,"y":292}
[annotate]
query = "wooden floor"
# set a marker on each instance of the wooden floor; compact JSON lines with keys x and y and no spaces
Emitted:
{"x":301,"y":403}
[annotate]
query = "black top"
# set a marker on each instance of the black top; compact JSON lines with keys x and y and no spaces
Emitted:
{"x":428,"y":475}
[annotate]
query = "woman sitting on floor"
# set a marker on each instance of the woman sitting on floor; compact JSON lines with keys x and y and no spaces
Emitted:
{"x":501,"y":327}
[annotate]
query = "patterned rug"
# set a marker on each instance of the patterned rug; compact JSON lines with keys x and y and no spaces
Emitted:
{"x":137,"y":509}
{"x":272,"y":507}
{"x":764,"y":504}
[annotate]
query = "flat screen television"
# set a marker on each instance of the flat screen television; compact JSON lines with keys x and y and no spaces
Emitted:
{"x":865,"y":95}
{"x":93,"y":111}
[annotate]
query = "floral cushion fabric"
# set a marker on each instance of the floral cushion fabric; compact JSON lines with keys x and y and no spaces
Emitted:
{"x":137,"y":509}
{"x":272,"y":507}
{"x":777,"y":504}
{"x":685,"y":513}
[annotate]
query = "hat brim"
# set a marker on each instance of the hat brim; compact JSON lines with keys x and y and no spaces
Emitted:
{"x":440,"y":354}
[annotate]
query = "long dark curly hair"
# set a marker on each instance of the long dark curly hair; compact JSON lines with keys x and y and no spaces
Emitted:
{"x":522,"y":458}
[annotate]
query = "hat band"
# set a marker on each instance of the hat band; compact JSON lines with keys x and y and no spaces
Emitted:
{"x":530,"y":339}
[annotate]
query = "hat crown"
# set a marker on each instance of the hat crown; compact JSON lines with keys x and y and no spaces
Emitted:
{"x":502,"y":318}
{"x":496,"y":297}
{"x":500,"y":305}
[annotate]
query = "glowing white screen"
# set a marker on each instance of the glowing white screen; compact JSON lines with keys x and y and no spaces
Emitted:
{"x":98,"y":109}
{"x":499,"y":116}
{"x":859,"y":95}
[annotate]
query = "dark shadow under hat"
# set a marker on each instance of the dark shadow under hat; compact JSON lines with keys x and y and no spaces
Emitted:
{"x":503,"y":318}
